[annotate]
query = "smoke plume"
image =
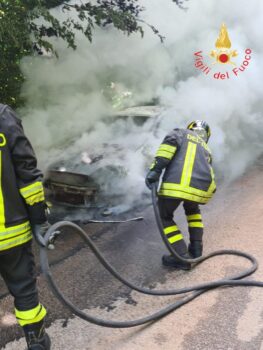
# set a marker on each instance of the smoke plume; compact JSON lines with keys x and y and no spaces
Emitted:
{"x":65,"y":113}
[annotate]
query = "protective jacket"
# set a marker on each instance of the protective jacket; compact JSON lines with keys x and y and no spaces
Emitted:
{"x":189,"y":174}
{"x":21,"y":190}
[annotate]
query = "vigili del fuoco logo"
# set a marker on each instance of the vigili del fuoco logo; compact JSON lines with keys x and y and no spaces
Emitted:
{"x":224,"y":59}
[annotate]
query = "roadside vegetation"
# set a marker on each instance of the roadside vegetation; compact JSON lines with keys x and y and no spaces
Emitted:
{"x":26,"y":27}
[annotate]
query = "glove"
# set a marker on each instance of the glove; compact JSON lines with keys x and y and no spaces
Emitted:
{"x":39,"y":231}
{"x":37,"y":213}
{"x":152,"y":177}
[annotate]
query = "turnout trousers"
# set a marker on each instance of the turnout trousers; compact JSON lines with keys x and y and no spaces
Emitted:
{"x":167,"y":207}
{"x":17,"y":268}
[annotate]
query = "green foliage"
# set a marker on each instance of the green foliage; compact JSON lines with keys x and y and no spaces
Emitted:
{"x":54,"y":3}
{"x":20,"y":31}
{"x":15,"y":43}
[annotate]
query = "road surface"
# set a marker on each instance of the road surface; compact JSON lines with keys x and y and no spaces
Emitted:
{"x":225,"y":319}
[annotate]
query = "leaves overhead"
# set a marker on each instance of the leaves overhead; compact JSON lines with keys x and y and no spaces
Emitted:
{"x":26,"y":25}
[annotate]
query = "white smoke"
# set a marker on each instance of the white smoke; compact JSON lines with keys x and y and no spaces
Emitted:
{"x":65,"y":101}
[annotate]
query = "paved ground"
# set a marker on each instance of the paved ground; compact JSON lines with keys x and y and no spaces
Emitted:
{"x":225,"y":319}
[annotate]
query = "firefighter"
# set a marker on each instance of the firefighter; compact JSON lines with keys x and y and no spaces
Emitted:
{"x":22,"y":210}
{"x":189,"y":179}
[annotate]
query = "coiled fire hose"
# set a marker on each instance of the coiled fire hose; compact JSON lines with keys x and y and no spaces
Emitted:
{"x":196,"y":290}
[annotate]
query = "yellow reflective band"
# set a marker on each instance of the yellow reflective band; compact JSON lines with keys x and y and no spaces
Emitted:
{"x":14,"y":230}
{"x":166,"y":151}
{"x":2,"y":140}
{"x":176,"y":238}
{"x":188,"y":164}
{"x":31,"y":189}
{"x":164,"y":154}
{"x":168,"y":148}
{"x":196,"y":224}
{"x":187,"y":189}
{"x":2,"y":207}
{"x":212,"y":187}
{"x":15,"y":241}
{"x":183,"y":195}
{"x":170,"y":229}
{"x":36,"y":198}
{"x":152,"y":165}
{"x":194,"y":217}
{"x":31,"y":316}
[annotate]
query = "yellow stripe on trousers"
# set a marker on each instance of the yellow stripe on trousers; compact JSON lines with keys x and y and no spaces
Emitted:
{"x":170,"y":229}
{"x":31,"y":316}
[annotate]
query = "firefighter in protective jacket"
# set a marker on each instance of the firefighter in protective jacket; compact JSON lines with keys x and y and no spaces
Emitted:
{"x":188,"y":178}
{"x":22,"y":208}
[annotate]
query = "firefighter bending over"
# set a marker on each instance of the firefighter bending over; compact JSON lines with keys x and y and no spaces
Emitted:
{"x":22,"y":208}
{"x":188,"y":178}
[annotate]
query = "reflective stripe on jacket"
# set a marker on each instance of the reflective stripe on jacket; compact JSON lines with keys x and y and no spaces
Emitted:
{"x":20,"y":181}
{"x":189,"y":174}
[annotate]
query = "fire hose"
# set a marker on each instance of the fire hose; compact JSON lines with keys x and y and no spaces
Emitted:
{"x":235,"y":280}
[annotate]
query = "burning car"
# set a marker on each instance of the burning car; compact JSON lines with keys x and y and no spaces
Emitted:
{"x":105,"y":177}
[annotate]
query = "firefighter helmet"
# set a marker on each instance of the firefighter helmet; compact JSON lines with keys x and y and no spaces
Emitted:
{"x":201,"y":128}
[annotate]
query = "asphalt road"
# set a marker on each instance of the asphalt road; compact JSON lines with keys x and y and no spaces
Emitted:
{"x":229,"y":318}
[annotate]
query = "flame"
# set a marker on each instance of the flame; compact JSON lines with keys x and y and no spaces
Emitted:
{"x":223,"y":40}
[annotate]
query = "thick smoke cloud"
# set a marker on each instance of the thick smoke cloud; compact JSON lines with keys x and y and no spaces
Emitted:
{"x":65,"y":100}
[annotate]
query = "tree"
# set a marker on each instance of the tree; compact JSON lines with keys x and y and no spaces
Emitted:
{"x":20,"y":32}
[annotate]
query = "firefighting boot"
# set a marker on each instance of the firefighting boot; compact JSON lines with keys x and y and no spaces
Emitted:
{"x":195,"y":249}
{"x":170,"y":260}
{"x":36,"y":337}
